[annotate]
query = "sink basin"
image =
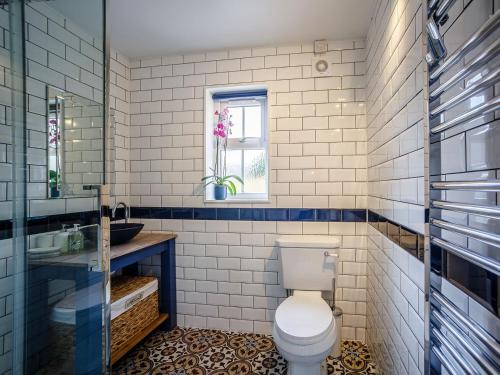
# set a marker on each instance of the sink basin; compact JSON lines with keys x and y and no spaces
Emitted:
{"x":123,"y":232}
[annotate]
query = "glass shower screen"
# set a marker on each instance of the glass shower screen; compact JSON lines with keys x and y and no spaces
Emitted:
{"x":53,"y":240}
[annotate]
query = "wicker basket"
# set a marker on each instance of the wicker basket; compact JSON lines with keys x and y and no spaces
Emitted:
{"x":136,"y":318}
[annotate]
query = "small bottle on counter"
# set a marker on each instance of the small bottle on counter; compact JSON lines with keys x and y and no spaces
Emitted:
{"x":61,"y":239}
{"x":75,"y":240}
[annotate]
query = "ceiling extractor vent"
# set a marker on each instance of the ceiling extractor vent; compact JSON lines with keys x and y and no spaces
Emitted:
{"x":320,"y":65}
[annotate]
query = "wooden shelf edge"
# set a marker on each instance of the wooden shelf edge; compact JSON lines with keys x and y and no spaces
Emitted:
{"x":138,"y":337}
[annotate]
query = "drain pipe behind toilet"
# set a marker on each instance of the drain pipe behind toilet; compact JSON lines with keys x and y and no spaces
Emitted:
{"x":337,"y":315}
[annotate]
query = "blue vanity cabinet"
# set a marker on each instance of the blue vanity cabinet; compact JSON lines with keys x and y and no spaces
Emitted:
{"x":126,"y":257}
{"x":127,"y":261}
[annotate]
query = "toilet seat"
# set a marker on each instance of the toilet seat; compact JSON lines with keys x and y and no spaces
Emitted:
{"x":304,"y":318}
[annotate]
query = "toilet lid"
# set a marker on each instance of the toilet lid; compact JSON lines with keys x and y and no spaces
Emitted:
{"x":303,"y":318}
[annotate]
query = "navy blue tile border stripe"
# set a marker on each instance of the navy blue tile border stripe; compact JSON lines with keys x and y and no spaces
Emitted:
{"x":407,"y":239}
{"x":5,"y":229}
{"x":411,"y":241}
{"x":49,"y":223}
{"x":250,"y":214}
{"x":42,"y":224}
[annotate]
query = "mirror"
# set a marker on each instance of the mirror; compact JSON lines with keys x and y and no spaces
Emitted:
{"x":75,"y":154}
{"x":54,"y":144}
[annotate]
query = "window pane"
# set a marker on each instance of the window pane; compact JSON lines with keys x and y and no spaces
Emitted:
{"x":237,"y":120}
{"x":252,"y":121}
{"x":255,"y":171}
{"x":233,"y":163}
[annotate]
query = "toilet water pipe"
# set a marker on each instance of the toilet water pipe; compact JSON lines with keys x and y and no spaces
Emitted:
{"x":337,"y":315}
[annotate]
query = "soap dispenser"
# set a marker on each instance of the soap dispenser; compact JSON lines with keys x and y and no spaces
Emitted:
{"x":75,"y":243}
{"x":61,"y":239}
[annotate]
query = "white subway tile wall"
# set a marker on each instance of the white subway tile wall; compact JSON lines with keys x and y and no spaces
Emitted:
{"x":395,"y":128}
{"x":227,"y":271}
{"x":395,"y":148}
{"x":59,"y":54}
{"x":78,"y":68}
{"x":6,"y":249}
{"x":6,"y":303}
{"x":83,"y":151}
{"x":395,"y":306}
{"x":317,"y":125}
{"x":118,"y":142}
{"x":6,"y":132}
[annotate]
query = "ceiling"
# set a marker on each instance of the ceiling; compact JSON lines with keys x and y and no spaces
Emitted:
{"x":142,"y":28}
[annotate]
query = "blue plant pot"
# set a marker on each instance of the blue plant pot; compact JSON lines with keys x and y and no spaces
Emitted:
{"x":220,"y":192}
{"x":54,"y":193}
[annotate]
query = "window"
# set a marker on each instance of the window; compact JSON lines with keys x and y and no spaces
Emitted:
{"x":246,"y":145}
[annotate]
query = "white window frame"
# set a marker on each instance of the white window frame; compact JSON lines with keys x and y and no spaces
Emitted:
{"x":235,"y":144}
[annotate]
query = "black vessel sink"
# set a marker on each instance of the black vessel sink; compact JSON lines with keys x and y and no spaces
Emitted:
{"x":123,"y":232}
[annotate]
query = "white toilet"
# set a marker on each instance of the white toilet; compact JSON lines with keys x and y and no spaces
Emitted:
{"x":304,"y":327}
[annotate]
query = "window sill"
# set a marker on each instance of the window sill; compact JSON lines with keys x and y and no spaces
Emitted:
{"x":239,"y":201}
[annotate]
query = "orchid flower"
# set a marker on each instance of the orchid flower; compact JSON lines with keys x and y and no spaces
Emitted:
{"x":221,"y":131}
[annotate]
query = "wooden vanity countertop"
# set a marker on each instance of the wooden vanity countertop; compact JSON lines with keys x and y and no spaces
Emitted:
{"x":139,"y":242}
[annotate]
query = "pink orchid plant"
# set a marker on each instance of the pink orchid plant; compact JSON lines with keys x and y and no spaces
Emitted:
{"x":54,"y":134}
{"x":221,"y":131}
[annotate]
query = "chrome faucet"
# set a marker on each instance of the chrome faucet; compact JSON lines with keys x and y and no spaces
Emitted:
{"x":127,"y":210}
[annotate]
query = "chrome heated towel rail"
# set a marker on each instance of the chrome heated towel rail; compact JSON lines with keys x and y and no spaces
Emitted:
{"x":463,"y":266}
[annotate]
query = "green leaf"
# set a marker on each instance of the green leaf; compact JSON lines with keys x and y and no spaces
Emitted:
{"x":208,"y":183}
{"x":206,"y":178}
{"x":231,"y":187}
{"x":237,"y":178}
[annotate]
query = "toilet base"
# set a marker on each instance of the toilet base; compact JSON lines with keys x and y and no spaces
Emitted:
{"x":307,"y":369}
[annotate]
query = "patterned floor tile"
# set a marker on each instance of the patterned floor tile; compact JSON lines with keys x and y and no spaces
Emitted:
{"x":191,"y":351}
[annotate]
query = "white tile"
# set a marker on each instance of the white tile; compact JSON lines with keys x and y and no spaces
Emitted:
{"x":328,"y":83}
{"x":263,"y":51}
{"x":240,"y":77}
{"x":289,"y":73}
{"x":228,"y":65}
{"x":264,"y":74}
{"x":218,"y":323}
{"x":183,"y":69}
{"x":241,"y":325}
{"x":217,"y":78}
{"x":252,"y":63}
{"x":277,"y":61}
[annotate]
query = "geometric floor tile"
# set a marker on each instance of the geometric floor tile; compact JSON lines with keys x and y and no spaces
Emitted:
{"x":355,"y":358}
{"x":194,"y":351}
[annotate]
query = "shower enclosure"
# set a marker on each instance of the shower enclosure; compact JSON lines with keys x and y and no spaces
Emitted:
{"x":54,"y":252}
